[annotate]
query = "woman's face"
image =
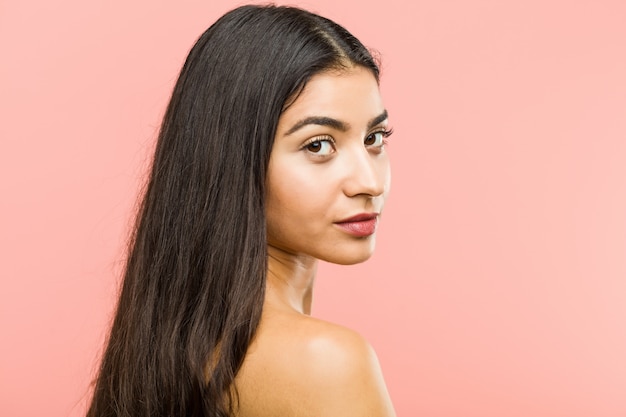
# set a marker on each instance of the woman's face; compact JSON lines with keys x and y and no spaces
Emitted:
{"x":328,"y":174}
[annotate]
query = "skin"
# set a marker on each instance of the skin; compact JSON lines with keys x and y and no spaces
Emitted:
{"x":319,"y":174}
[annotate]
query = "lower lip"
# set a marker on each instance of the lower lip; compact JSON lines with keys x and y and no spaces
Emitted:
{"x":359,"y":229}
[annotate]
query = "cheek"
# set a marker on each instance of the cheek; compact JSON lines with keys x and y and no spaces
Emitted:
{"x":294,"y":196}
{"x":286,"y":188}
{"x":295,"y":184}
{"x":303,"y":200}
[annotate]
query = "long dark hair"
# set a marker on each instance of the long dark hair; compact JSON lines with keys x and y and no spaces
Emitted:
{"x":194,"y":281}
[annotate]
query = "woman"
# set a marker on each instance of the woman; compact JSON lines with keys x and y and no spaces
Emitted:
{"x":270,"y":156}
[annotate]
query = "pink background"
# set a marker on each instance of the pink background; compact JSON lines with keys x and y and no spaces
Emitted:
{"x":498,"y":287}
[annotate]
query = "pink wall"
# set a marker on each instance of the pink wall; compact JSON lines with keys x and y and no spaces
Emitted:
{"x":498,"y":288}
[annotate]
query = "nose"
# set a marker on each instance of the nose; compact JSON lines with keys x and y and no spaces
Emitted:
{"x":367,"y":174}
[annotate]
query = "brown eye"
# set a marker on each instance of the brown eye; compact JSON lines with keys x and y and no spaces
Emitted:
{"x":320,"y":147}
{"x":375,"y":139}
{"x":314,"y":146}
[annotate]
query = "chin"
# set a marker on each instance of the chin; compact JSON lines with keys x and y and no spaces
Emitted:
{"x":348,"y":255}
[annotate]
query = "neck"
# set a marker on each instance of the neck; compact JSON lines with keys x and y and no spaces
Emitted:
{"x":289,"y":281}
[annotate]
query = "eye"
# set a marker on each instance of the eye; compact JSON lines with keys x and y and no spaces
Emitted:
{"x":377,"y":139}
{"x":320,"y":146}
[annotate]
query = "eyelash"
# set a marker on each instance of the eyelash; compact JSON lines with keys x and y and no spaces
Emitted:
{"x":385,"y":132}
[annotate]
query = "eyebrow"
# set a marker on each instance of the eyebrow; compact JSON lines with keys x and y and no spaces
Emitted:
{"x":333,"y":123}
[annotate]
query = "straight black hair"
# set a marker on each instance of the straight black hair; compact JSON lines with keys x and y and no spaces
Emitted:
{"x":194,"y":280}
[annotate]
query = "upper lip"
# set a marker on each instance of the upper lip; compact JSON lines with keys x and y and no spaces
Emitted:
{"x":361,"y":217}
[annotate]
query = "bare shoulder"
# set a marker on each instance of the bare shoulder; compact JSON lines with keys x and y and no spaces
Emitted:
{"x":300,"y":366}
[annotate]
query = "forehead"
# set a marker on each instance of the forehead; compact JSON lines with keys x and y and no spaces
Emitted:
{"x":350,"y":95}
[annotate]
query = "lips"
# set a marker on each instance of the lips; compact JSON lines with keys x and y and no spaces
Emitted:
{"x":361,"y":225}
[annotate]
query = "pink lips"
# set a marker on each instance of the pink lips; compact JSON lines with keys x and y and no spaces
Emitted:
{"x":361,"y":225}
